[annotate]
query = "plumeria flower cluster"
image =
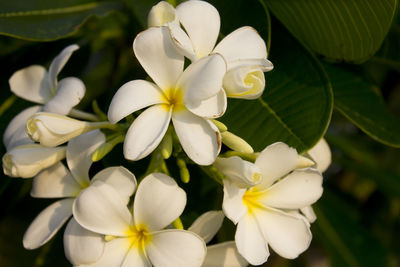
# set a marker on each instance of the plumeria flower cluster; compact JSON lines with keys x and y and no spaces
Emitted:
{"x":115,"y":219}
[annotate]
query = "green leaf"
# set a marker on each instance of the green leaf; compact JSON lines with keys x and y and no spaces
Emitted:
{"x":362,"y":104}
{"x":48,"y":20}
{"x":297,"y":103}
{"x":338,"y":228}
{"x":341,"y":30}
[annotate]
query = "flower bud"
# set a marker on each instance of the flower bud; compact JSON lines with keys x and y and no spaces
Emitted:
{"x":28,"y":160}
{"x":52,"y":129}
{"x":247,"y":82}
{"x":236,"y":143}
{"x":161,"y":14}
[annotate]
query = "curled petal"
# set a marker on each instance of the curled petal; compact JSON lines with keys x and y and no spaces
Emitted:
{"x":309,"y":213}
{"x":161,"y":14}
{"x":158,"y":201}
{"x":47,"y":223}
{"x":176,"y":248}
{"x":54,"y":182}
{"x":244,"y":82}
{"x":28,"y":160}
{"x":201,"y":21}
{"x":70,"y":92}
{"x":58,"y":63}
{"x":15,"y":134}
{"x":157,"y":55}
{"x":243,"y":173}
{"x":182,"y":42}
{"x":133,"y":96}
{"x":207,"y":225}
{"x":146,"y":132}
{"x":80,"y":245}
{"x":321,"y":154}
{"x":275,"y":161}
{"x":31,"y":84}
{"x":200,"y":139}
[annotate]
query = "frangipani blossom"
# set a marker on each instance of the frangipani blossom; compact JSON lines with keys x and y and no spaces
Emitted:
{"x":244,"y":49}
{"x":59,"y":182}
{"x":137,"y":238}
{"x":224,"y":254}
{"x":189,"y":98}
{"x":267,"y":213}
{"x":37,"y":85}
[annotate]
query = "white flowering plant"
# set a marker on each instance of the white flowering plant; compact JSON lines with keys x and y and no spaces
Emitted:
{"x":195,"y":133}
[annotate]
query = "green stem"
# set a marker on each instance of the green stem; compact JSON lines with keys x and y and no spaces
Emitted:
{"x":78,"y":114}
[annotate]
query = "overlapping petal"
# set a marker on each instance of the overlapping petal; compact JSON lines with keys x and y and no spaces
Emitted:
{"x":158,"y":201}
{"x":80,"y":245}
{"x":47,"y":223}
{"x":199,"y":138}
{"x":58,"y":63}
{"x":321,"y":154}
{"x":133,"y":96}
{"x":176,"y":248}
{"x":245,"y":82}
{"x":55,"y":182}
{"x":146,"y":132}
{"x":233,"y":205}
{"x":213,"y":107}
{"x":201,"y":22}
{"x":161,"y":14}
{"x":158,"y":56}
{"x":207,"y":225}
{"x":224,"y":255}
{"x":100,"y":209}
{"x":135,"y":257}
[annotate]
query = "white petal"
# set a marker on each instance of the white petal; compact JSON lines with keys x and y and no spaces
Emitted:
{"x":200,"y":139}
{"x":157,"y":55}
{"x":321,"y":154}
{"x":243,"y":173}
{"x":55,"y":182}
{"x":31,"y":84}
{"x":158,"y":201}
{"x":28,"y":160}
{"x":275,"y":161}
{"x":133,"y":96}
{"x":243,"y":43}
{"x":79,"y":154}
{"x":202,"y":79}
{"x":114,"y":253}
{"x":176,"y":248}
{"x":80,"y":245}
{"x":47,"y":223}
{"x":224,"y":255}
{"x":246,"y":82}
{"x":297,"y":190}
{"x":250,"y":242}
{"x":309,"y":213}
{"x":100,"y":209}
{"x":70,"y":92}
{"x":288,"y":235}
{"x":146,"y":132}
{"x":213,"y":107}
{"x":232,"y":204}
{"x":182,"y":42}
{"x":201,"y":22}
{"x":123,"y":181}
{"x":207,"y":225}
{"x":59,"y":62}
{"x":51,"y":129}
{"x":135,"y":257}
{"x":161,"y":14}
{"x":262,"y":63}
{"x":15,"y":134}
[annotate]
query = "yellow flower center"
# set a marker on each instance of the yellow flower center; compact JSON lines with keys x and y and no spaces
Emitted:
{"x":250,"y":200}
{"x":139,"y":236}
{"x":173,"y":98}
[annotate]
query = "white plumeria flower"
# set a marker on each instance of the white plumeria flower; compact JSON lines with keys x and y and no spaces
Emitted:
{"x":37,"y":85}
{"x":137,"y":239}
{"x":189,"y":97}
{"x":51,"y":129}
{"x":28,"y":160}
{"x":267,"y":213}
{"x":244,"y":50}
{"x":224,"y":254}
{"x":59,"y":182}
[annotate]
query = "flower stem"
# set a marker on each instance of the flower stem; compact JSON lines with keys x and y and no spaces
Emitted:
{"x":79,"y":114}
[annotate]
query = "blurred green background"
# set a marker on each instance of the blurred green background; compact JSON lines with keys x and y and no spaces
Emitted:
{"x":336,"y":75}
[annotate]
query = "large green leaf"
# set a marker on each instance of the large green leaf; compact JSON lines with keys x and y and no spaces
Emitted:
{"x":340,"y":29}
{"x":296,"y":105}
{"x":362,"y":104}
{"x":45,"y":20}
{"x":339,"y":229}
